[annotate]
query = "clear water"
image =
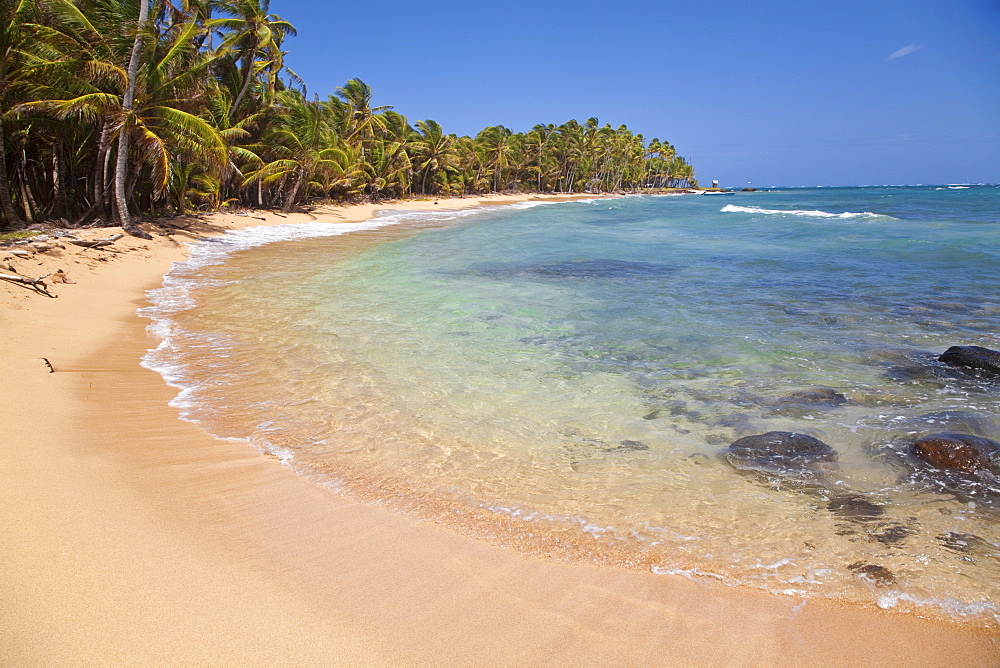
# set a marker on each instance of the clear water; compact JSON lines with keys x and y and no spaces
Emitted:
{"x":565,"y":378}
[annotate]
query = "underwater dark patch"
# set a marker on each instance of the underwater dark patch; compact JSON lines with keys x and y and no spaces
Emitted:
{"x":581,"y":269}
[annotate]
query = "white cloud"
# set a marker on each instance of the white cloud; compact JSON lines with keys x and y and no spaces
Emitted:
{"x":905,"y":51}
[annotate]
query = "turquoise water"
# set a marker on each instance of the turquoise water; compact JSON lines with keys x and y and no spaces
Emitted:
{"x":565,"y":378}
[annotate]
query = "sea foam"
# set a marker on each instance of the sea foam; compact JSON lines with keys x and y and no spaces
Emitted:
{"x":847,"y":215}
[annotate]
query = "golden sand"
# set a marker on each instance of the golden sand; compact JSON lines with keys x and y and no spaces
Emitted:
{"x":132,"y":537}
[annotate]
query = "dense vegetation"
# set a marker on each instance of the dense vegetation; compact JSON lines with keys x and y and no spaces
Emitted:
{"x":112,"y":109}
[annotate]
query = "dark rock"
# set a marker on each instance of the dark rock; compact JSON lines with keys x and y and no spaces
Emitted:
{"x":973,"y":357}
{"x":781,"y":452}
{"x":877,"y":575}
{"x":854,"y":507}
{"x":952,"y":451}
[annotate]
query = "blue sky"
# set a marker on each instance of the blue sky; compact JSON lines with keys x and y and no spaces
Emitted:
{"x":770,"y":92}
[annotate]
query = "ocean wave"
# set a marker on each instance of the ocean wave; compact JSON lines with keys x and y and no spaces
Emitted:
{"x":847,"y":215}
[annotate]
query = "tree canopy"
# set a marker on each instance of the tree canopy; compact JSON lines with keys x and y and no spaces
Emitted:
{"x":115,"y":109}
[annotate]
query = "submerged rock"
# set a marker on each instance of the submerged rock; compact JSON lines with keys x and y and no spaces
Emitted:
{"x":973,"y":357}
{"x":817,"y":397}
{"x":855,"y":507}
{"x":965,"y":544}
{"x":952,"y":451}
{"x":628,"y":446}
{"x":788,"y":455}
{"x":956,"y":421}
{"x":877,"y":575}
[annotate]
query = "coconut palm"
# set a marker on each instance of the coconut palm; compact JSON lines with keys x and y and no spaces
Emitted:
{"x":433,"y":151}
{"x":15,"y":36}
{"x":254,"y":35}
{"x":308,"y":151}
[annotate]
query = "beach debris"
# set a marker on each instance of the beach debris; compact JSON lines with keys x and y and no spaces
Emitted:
{"x":60,"y":276}
{"x":880,"y":576}
{"x":97,"y":243}
{"x":973,"y":357}
{"x":38,"y":284}
{"x":49,"y":364}
{"x":953,"y":451}
{"x":19,"y":253}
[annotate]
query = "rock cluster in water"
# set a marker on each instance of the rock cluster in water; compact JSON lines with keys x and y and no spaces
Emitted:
{"x":964,"y":464}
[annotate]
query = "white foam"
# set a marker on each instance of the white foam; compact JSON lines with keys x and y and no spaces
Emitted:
{"x":847,"y":215}
{"x":952,"y":607}
{"x":692,"y":573}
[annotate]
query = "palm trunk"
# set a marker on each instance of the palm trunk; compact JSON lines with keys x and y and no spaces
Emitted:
{"x":99,"y":190}
{"x":128,"y":101}
{"x":246,"y":82}
{"x":59,"y":182}
{"x":294,"y":193}
{"x":10,"y":217}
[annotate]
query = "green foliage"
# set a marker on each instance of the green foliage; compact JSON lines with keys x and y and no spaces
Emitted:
{"x":16,"y":236}
{"x":192,"y":108}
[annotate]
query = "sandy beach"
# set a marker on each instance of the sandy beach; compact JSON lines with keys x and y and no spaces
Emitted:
{"x":133,"y":537}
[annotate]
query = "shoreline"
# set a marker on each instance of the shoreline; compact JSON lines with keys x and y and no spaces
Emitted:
{"x":135,"y":537}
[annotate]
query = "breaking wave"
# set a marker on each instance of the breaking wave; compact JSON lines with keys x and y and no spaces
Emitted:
{"x":847,"y":215}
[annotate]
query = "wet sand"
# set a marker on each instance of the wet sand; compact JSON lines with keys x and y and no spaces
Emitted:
{"x":130,"y":536}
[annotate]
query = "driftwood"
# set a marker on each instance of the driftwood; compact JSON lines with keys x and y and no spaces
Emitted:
{"x":97,"y":243}
{"x":37,"y":283}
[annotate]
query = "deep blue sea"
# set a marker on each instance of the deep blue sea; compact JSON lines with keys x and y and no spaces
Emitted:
{"x":566,"y":379}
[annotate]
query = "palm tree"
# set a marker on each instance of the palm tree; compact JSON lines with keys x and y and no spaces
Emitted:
{"x":255,"y":36}
{"x":495,"y":141}
{"x":359,"y":122}
{"x":306,"y":145}
{"x":112,"y":108}
{"x":433,"y":150}
{"x":14,"y":33}
{"x":151,"y":103}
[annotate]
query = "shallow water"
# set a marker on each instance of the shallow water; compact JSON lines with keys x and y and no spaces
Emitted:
{"x":566,"y":378}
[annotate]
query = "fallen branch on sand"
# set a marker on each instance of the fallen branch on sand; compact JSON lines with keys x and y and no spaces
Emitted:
{"x":97,"y":243}
{"x":37,"y":283}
